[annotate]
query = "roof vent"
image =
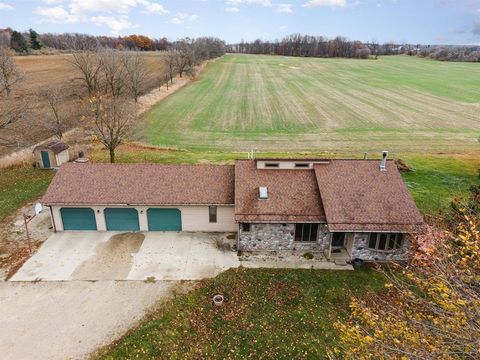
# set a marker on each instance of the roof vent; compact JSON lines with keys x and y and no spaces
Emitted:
{"x":383,"y":164}
{"x":263,"y":193}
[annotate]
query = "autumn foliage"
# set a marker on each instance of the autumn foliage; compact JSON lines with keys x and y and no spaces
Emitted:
{"x":430,"y":309}
{"x":140,"y":42}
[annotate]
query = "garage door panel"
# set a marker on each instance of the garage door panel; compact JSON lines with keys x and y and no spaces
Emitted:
{"x":121,"y":219}
{"x":164,"y":219}
{"x":78,"y":219}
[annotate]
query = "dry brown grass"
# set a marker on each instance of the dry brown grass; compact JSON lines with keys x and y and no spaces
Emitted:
{"x":43,"y":71}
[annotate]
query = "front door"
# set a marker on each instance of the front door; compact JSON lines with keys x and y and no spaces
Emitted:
{"x":45,"y":159}
{"x":338,"y":240}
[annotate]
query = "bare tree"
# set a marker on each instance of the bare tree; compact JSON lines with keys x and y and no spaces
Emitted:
{"x":56,"y":122}
{"x":171,"y":62}
{"x":10,"y":75}
{"x":11,"y":113}
{"x":112,"y":72}
{"x":5,"y":38}
{"x":185,"y":56}
{"x":136,"y":74}
{"x":111,"y":121}
{"x":88,"y":64}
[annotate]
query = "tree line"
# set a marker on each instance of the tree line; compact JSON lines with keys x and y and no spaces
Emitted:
{"x":112,"y":81}
{"x":305,"y":46}
{"x":340,"y":47}
{"x":457,"y":53}
{"x":24,"y":42}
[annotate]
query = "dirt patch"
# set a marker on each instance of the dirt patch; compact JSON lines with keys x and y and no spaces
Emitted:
{"x":14,"y":249}
{"x":402,"y":166}
{"x":225,"y":243}
{"x":154,"y":96}
{"x":70,"y":319}
{"x":134,"y":146}
{"x":113,"y":259}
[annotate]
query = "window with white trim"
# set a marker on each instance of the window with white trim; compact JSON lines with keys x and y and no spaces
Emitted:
{"x":385,"y":241}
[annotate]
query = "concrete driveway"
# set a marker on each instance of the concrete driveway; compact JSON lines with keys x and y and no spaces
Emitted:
{"x":128,"y":256}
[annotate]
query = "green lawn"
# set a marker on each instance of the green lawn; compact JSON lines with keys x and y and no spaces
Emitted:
{"x":438,"y":179}
{"x":272,"y":314}
{"x":398,"y":103}
{"x":20,"y":185}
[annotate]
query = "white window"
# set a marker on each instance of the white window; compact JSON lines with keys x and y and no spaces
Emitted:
{"x":385,"y":241}
{"x":302,"y":165}
{"x":272,"y":165}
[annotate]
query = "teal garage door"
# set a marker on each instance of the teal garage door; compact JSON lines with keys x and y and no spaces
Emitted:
{"x":121,"y":219}
{"x":164,"y":219}
{"x":78,"y":219}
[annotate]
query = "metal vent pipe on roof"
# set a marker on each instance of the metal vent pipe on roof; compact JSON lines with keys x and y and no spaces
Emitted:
{"x":383,"y":164}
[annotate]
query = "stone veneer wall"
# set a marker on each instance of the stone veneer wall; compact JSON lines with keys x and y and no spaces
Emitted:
{"x":279,"y":237}
{"x":360,"y":250}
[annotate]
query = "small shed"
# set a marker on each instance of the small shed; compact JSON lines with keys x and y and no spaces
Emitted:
{"x":51,"y":154}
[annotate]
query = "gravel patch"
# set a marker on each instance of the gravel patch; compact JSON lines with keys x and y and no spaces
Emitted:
{"x":70,"y":320}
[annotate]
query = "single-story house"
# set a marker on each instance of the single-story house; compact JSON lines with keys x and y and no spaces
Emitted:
{"x":348,"y":209}
{"x":51,"y":154}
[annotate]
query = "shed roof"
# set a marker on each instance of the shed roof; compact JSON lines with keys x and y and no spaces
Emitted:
{"x":293,"y":195}
{"x":357,"y":196}
{"x":57,"y":146}
{"x":141,"y":184}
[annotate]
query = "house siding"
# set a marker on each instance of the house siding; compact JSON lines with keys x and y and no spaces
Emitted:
{"x":55,"y":160}
{"x":279,"y":237}
{"x":194,"y":218}
{"x":360,"y":250}
{"x":39,"y":161}
{"x":62,"y":157}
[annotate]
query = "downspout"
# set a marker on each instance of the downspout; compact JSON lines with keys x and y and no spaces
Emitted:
{"x":330,"y":246}
{"x":53,"y":219}
{"x":238,"y":238}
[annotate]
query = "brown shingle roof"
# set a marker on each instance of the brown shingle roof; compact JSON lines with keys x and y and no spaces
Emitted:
{"x":138,"y":184}
{"x":358,"y":196}
{"x":57,"y":146}
{"x":292,"y":195}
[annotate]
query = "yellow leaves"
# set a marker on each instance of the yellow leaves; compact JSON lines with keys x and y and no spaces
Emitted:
{"x":429,"y":308}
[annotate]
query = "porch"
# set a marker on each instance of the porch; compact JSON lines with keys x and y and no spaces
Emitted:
{"x":339,"y":249}
{"x":292,"y":259}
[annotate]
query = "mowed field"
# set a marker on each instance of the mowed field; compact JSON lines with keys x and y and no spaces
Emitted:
{"x":399,"y":103}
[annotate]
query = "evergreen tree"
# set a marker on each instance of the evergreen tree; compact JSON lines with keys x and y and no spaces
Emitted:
{"x":18,"y":42}
{"x":35,"y":43}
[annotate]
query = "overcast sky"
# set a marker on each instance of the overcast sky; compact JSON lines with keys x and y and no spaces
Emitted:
{"x":414,"y":21}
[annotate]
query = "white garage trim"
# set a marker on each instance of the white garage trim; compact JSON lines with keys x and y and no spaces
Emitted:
{"x":194,"y":217}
